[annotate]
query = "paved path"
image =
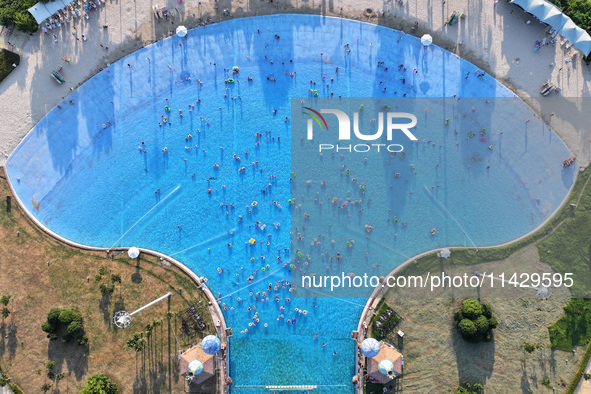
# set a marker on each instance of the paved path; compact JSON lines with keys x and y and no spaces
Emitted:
{"x":495,"y":38}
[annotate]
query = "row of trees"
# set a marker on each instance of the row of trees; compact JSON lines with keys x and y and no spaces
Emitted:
{"x":14,"y":13}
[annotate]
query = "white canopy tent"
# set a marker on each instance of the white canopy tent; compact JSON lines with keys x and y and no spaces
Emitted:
{"x":42,"y":11}
{"x":553,"y":16}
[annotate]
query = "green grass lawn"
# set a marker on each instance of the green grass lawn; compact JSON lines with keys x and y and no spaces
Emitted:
{"x":574,"y":328}
{"x":7,"y":59}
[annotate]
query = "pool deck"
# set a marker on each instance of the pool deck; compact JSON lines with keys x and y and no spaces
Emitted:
{"x":494,"y":38}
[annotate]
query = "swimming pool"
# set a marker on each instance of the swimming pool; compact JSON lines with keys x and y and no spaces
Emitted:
{"x":185,"y":186}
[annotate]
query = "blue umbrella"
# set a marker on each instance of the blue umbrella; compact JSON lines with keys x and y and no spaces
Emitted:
{"x":370,"y":347}
{"x":211,"y":344}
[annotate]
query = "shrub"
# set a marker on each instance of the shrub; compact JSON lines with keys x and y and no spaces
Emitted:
{"x":103,"y":270}
{"x":486,"y":310}
{"x":492,"y":322}
{"x":106,"y":290}
{"x":48,"y":327}
{"x":528,"y":347}
{"x":53,"y":315}
{"x":116,"y":278}
{"x":471,"y":309}
{"x":69,"y":315}
{"x":75,"y":328}
{"x":5,"y":300}
{"x":467,"y":328}
{"x":99,"y":383}
{"x":481,"y":325}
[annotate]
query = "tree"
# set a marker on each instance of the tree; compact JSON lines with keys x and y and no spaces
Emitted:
{"x":5,"y":312}
{"x":99,"y":384}
{"x":467,"y":328}
{"x":586,"y":376}
{"x":46,"y":387}
{"x":116,"y":278}
{"x":471,"y":309}
{"x":136,"y":342}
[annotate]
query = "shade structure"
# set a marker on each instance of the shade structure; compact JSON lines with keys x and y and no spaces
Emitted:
{"x":525,"y":4}
{"x":555,"y":18}
{"x":190,"y":362}
{"x":133,"y":252}
{"x":370,"y":347}
{"x":387,"y":352}
{"x":211,"y":344}
{"x":570,"y":31}
{"x":386,"y":367}
{"x":42,"y":11}
{"x":539,"y":9}
{"x":445,"y":253}
{"x":584,"y":43}
{"x":181,"y":31}
{"x":426,"y":40}
{"x":195,"y":367}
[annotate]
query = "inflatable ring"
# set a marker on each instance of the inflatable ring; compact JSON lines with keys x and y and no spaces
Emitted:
{"x":433,"y":232}
{"x":254,"y":203}
{"x":305,"y":312}
{"x":263,"y":269}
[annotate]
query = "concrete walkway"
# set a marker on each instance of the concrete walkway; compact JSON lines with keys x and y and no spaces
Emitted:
{"x":495,"y":38}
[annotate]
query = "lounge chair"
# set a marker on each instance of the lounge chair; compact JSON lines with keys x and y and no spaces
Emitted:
{"x":453,"y":18}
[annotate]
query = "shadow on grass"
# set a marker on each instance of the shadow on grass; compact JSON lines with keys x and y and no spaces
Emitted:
{"x":75,"y":356}
{"x":475,"y":361}
{"x":8,"y":341}
{"x":104,"y":304}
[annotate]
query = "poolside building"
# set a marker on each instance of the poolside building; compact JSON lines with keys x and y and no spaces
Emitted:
{"x":196,"y":366}
{"x":385,"y":366}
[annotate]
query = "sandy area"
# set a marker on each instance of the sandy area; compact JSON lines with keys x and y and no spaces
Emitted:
{"x":495,"y":38}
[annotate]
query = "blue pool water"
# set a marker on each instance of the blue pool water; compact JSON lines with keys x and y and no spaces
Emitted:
{"x":115,"y":186}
